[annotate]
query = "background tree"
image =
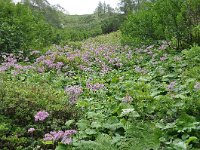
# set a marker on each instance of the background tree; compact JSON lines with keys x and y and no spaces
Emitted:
{"x":172,"y":20}
{"x":127,"y":6}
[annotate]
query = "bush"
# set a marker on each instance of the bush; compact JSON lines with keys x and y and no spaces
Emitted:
{"x":172,"y":20}
{"x":20,"y":101}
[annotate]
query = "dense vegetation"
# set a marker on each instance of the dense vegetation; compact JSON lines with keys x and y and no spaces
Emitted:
{"x":135,"y":89}
{"x":36,"y":24}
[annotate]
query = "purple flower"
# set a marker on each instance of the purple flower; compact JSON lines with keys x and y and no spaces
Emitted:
{"x":3,"y":68}
{"x":127,"y":99}
{"x":31,"y":130}
{"x":64,"y":137}
{"x":163,"y":58}
{"x":73,"y":92}
{"x":70,"y":132}
{"x":41,"y":116}
{"x":59,"y":65}
{"x":171,"y":86}
{"x":48,"y":137}
{"x":129,"y":54}
{"x":138,"y":69}
{"x":41,"y":69}
{"x":76,"y":90}
{"x":94,"y":87}
{"x":197,"y":86}
{"x":66,"y":140}
{"x":58,"y":135}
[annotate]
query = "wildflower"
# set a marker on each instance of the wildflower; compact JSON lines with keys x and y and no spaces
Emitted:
{"x":41,"y":69}
{"x":58,"y":135}
{"x":3,"y":68}
{"x":48,"y":137}
{"x":105,"y":69}
{"x":171,"y":86}
{"x":41,"y":116}
{"x":127,"y":99}
{"x":163,"y":58}
{"x":76,"y":90}
{"x":197,"y":86}
{"x":138,"y":69}
{"x":73,"y":92}
{"x":64,"y":137}
{"x":164,"y":45}
{"x":31,"y":130}
{"x":59,"y":65}
{"x":129,"y":54}
{"x":66,"y":140}
{"x":70,"y":132}
{"x":94,"y":87}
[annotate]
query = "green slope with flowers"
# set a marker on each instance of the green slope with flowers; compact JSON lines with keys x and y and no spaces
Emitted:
{"x":98,"y":95}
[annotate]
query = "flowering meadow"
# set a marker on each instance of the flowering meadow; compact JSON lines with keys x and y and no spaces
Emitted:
{"x":100,"y":95}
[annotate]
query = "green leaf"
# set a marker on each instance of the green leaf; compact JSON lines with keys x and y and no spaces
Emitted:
{"x":83,"y":124}
{"x":61,"y":147}
{"x":180,"y":145}
{"x":95,"y":124}
{"x":90,"y":131}
{"x":191,"y":139}
{"x":69,"y":122}
{"x":48,"y":142}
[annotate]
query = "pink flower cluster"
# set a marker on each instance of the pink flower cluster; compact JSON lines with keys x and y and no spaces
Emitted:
{"x":73,"y":92}
{"x":64,"y":137}
{"x":41,"y":116}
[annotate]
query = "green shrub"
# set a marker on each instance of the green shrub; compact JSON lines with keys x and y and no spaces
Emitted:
{"x":20,"y":101}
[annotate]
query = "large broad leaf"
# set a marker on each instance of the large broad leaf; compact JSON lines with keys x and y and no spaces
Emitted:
{"x":90,"y":131}
{"x":69,"y":123}
{"x":61,"y":147}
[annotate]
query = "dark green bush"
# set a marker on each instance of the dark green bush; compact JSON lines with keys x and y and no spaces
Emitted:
{"x":111,"y":23}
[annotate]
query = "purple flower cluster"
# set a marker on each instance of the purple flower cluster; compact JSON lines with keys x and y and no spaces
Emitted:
{"x":138,"y":69}
{"x":10,"y":61}
{"x":164,"y":45}
{"x":49,"y":61}
{"x":64,"y":137}
{"x":41,"y":116}
{"x":129,"y":54}
{"x":94,"y":87}
{"x":73,"y":92}
{"x":163,"y":58}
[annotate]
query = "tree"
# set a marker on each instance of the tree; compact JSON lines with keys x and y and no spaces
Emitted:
{"x":172,"y":20}
{"x":100,"y":9}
